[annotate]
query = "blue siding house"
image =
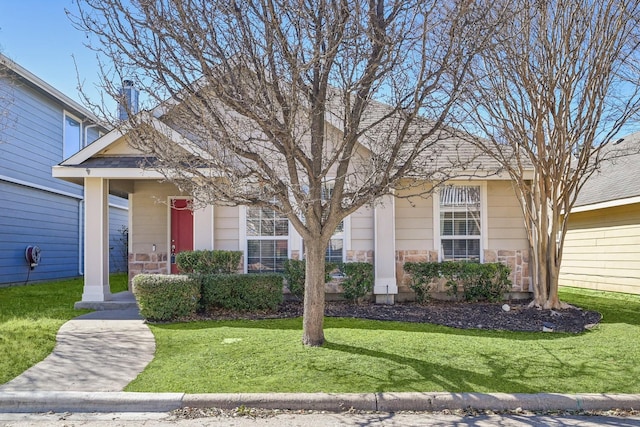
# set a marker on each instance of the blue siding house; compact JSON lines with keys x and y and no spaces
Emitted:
{"x":40,"y":127}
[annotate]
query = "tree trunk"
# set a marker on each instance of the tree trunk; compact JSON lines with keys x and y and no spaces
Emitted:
{"x":545,"y":257}
{"x":313,"y":318}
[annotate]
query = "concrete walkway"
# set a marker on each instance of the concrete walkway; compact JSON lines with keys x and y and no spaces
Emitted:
{"x":99,"y":353}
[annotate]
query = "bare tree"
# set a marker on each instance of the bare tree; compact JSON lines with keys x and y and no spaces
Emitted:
{"x":560,"y":81}
{"x":310,"y":108}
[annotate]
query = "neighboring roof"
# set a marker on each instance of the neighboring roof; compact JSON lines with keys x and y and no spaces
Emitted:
{"x":617,"y":182}
{"x":48,"y":90}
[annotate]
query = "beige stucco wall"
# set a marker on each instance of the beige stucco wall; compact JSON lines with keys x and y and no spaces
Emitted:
{"x":505,"y":221}
{"x":149,"y":216}
{"x":226,"y":226}
{"x":414,"y":230}
{"x":602,"y":250}
{"x":414,"y":222}
{"x":506,"y":239}
{"x":362,"y":229}
{"x":505,"y":225}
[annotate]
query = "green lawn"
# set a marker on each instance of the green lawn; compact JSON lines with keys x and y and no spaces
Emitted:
{"x":368,"y":356}
{"x":30,"y":317}
{"x":359,"y":356}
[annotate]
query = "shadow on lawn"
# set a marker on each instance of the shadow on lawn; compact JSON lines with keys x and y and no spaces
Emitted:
{"x":449,"y":378}
{"x":364,"y":324}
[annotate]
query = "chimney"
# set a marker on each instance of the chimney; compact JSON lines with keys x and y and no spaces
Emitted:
{"x":128,"y":100}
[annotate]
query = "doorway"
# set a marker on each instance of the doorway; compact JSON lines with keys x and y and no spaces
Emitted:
{"x":181,"y":229}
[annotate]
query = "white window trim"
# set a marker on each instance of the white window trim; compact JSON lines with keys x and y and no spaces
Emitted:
{"x":244,"y":238}
{"x":484,"y":229}
{"x":346,"y":239}
{"x":64,"y":133}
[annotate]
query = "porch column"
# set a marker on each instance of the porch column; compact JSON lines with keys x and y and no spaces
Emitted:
{"x":96,"y":240}
{"x":203,"y":220}
{"x":385,"y":287}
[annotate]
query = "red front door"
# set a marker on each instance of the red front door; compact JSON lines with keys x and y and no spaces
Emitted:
{"x":181,"y":230}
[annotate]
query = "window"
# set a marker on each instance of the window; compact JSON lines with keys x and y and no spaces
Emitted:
{"x":460,"y":223}
{"x":267,"y":240}
{"x":336,"y":248}
{"x":335,"y":252}
{"x":72,"y":135}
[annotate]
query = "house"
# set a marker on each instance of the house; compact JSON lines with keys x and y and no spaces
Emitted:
{"x":40,"y":127}
{"x":475,"y":218}
{"x":602,"y":246}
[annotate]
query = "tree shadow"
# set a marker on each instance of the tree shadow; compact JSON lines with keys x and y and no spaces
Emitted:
{"x":447,"y":377}
{"x":365,"y":324}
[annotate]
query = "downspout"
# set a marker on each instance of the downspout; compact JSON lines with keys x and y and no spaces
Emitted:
{"x":86,"y":133}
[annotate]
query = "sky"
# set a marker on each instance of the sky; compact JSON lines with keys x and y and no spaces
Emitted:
{"x":37,"y":35}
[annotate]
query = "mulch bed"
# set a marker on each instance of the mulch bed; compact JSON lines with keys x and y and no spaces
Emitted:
{"x":454,"y":314}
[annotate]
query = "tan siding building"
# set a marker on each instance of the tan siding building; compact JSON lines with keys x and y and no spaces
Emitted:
{"x":602,"y":246}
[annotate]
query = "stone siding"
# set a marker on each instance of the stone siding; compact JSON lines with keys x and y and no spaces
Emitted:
{"x":517,"y":260}
{"x":148,"y":263}
{"x":403,"y":279}
{"x":360,"y":256}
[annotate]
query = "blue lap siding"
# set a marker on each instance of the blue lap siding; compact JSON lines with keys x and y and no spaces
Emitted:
{"x":35,"y":208}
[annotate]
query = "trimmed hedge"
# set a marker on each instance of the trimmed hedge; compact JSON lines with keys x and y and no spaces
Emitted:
{"x":295,"y":274}
{"x":242,"y":292}
{"x":164,"y":297}
{"x":358,"y":281}
{"x":209,"y":262}
{"x":470,"y":281}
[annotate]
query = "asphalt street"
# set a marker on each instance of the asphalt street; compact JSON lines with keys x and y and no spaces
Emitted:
{"x":316,"y":419}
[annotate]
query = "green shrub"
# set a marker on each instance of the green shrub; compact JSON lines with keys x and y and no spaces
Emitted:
{"x":469,"y":281}
{"x":295,"y":275}
{"x":423,"y":274}
{"x":166,"y":297}
{"x":209,"y":261}
{"x":358,"y":281}
{"x":242,"y":292}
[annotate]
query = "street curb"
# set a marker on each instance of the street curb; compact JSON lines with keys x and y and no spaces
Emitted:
{"x":60,"y":401}
{"x":80,"y":401}
{"x":311,"y":401}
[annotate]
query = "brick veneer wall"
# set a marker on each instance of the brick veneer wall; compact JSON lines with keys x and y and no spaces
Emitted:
{"x":151,"y":263}
{"x":334,"y":286}
{"x":517,"y":260}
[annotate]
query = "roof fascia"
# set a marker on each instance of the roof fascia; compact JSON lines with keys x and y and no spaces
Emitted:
{"x":49,"y":90}
{"x":607,"y":204}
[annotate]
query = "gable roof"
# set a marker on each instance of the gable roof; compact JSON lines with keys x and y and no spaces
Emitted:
{"x":450,"y":150}
{"x":617,"y":182}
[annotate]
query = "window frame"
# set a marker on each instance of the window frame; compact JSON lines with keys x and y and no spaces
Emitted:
{"x":66,"y":114}
{"x":346,"y":240}
{"x":245,"y":237}
{"x":437,"y":211}
{"x":346,"y":226}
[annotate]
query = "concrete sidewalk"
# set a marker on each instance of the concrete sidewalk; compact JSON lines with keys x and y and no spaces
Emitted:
{"x":99,"y":353}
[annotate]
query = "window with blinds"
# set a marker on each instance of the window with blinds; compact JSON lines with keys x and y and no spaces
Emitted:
{"x":460,"y":227}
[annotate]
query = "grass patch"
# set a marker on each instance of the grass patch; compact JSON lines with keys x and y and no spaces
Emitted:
{"x":30,"y":317}
{"x":375,"y":356}
{"x":118,"y":282}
